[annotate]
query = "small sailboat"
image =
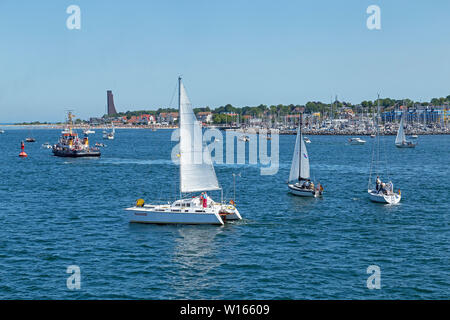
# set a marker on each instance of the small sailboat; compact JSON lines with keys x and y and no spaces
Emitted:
{"x":400,"y":140}
{"x":109,"y":135}
{"x":299,"y":182}
{"x":307,"y":140}
{"x":196,"y":175}
{"x":383,"y":192}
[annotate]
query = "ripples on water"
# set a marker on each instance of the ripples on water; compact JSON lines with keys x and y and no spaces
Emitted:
{"x":57,"y":212}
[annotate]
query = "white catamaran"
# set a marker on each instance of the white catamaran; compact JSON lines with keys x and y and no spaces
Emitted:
{"x":299,"y":182}
{"x":383,"y":192}
{"x":196,"y":175}
{"x":400,"y":140}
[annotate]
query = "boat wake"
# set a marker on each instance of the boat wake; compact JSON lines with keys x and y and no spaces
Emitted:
{"x":118,"y":161}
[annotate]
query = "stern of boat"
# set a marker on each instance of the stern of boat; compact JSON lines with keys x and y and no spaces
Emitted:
{"x":229,"y":212}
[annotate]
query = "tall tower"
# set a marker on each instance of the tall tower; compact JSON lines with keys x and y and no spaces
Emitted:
{"x":110,"y":101}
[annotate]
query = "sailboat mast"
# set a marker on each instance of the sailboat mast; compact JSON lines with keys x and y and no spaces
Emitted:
{"x":179,"y":125}
{"x":300,"y":146}
{"x":378,"y":136}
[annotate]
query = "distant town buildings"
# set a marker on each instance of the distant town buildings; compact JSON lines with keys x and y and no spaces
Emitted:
{"x":166,"y":118}
{"x":205,"y":117}
{"x":337,"y":113}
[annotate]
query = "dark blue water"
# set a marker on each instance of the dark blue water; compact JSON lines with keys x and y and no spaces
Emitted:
{"x":57,"y":212}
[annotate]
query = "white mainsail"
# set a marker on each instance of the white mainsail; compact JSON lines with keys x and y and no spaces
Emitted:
{"x":401,"y":138}
{"x":196,"y":168}
{"x":300,"y":160}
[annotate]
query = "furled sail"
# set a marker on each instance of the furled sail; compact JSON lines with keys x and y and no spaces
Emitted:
{"x":196,"y":168}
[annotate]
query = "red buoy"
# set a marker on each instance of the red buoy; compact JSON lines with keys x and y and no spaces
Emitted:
{"x":23,"y":154}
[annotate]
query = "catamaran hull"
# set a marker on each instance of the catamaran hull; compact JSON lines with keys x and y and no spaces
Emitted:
{"x":382,"y":198}
{"x":302,"y":192}
{"x":155,"y":217}
{"x":232,"y":215}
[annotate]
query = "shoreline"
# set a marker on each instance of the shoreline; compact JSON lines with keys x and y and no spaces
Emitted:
{"x":243,"y":131}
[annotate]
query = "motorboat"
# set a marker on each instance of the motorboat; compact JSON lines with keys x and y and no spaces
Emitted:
{"x":356,"y":141}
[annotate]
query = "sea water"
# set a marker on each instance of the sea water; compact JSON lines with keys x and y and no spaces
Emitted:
{"x":61,"y":212}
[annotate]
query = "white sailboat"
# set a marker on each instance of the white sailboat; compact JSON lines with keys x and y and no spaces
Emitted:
{"x":400,"y":140}
{"x":109,"y":135}
{"x":196,"y":175}
{"x":299,"y":182}
{"x":383,"y":192}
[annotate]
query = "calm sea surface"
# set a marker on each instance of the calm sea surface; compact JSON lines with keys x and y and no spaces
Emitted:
{"x":58,"y":212}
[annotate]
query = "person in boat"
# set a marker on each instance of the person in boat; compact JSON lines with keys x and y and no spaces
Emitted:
{"x":204,"y":198}
{"x":378,"y":184}
{"x":305,"y":184}
{"x":311,"y":186}
{"x":383,"y":188}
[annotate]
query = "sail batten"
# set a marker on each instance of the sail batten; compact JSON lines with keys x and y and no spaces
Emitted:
{"x":196,"y":168}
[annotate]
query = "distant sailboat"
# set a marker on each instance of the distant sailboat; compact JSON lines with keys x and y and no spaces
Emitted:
{"x":109,"y":135}
{"x":400,"y":140}
{"x":383,"y":192}
{"x":299,"y":182}
{"x":196,"y":175}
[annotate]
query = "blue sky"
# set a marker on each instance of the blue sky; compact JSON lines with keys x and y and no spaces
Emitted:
{"x":239,"y":52}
